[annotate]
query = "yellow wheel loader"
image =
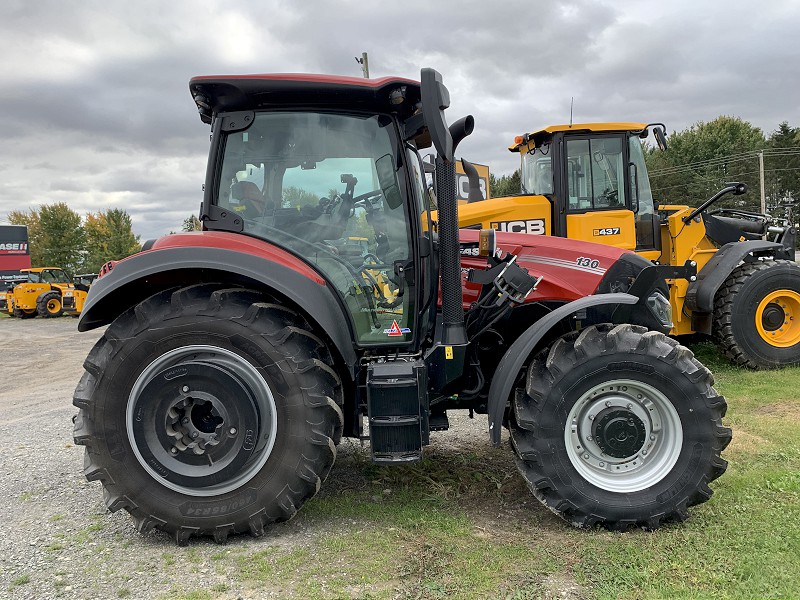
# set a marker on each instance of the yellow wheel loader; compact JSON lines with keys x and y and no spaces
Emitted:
{"x":733,"y":271}
{"x":47,"y":292}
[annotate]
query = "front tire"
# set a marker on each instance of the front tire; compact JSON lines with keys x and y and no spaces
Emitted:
{"x":757,"y":315}
{"x":620,"y":427}
{"x":208,"y":412}
{"x":49,"y":305}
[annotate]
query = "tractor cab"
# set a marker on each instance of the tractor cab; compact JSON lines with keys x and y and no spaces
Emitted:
{"x":595,"y":179}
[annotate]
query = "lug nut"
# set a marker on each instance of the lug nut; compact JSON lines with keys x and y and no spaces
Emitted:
{"x":185,"y":389}
{"x":194,"y":435}
{"x":602,"y":464}
{"x":173,"y":450}
{"x":185,"y":420}
{"x":586,"y":456}
{"x":232,"y":431}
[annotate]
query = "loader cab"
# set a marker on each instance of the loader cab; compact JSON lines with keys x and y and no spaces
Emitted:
{"x":313,"y":175}
{"x":596,"y":180}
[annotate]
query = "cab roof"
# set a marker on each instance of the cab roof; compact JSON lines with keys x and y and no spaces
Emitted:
{"x":223,"y":93}
{"x":529,"y":141}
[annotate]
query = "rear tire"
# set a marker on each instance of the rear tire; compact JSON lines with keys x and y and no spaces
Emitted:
{"x":24,"y":314}
{"x":620,"y":427}
{"x":49,"y":305}
{"x":757,"y":315}
{"x":207,"y":411}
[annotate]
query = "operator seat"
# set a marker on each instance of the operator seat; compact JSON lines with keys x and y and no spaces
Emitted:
{"x":250,"y":198}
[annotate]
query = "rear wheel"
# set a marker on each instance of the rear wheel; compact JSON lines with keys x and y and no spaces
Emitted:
{"x":24,"y":313}
{"x":208,"y":412}
{"x":757,"y":315}
{"x":50,"y":305}
{"x":620,"y":427}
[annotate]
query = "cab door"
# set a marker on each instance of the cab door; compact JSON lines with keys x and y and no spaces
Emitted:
{"x":598,"y":207}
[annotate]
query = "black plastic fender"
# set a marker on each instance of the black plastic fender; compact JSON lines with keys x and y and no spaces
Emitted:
{"x":142,"y":275}
{"x":519,"y":352}
{"x":700,"y":293}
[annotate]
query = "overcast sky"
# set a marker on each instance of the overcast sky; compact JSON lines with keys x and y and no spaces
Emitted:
{"x":96,"y":111}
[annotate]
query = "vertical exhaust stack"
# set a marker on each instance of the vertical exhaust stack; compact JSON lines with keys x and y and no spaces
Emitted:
{"x":435,"y":99}
{"x":454,"y":331}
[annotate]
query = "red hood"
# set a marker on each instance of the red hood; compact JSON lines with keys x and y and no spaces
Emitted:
{"x":570,"y":269}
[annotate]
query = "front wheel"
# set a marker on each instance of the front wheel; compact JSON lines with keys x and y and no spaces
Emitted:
{"x":757,"y":315}
{"x":208,"y":412}
{"x":50,"y":305}
{"x":620,"y":427}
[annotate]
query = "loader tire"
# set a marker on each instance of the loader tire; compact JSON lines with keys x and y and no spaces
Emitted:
{"x":24,"y":314}
{"x":208,"y":411}
{"x":619,"y":427}
{"x":757,"y":315}
{"x":49,"y":305}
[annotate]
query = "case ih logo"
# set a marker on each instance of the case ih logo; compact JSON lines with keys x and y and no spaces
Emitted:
{"x":13,"y":248}
{"x":531,"y":226}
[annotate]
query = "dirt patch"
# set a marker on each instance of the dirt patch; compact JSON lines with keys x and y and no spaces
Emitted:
{"x":782,"y":410}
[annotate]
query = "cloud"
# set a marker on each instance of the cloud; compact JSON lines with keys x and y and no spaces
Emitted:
{"x":97,"y":111}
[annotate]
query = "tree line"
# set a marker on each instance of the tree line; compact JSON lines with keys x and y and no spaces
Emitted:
{"x":700,"y":160}
{"x":58,"y":237}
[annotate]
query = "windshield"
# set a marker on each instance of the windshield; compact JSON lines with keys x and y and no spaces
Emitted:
{"x":537,"y":171}
{"x":327,"y":187}
{"x":595,"y":173}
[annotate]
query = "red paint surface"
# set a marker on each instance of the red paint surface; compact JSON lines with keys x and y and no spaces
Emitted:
{"x":563,"y":281}
{"x":309,"y":78}
{"x":237,"y":242}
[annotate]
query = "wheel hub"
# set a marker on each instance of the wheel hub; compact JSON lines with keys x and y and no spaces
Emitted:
{"x":773,"y":317}
{"x":193,"y":424}
{"x":619,"y":433}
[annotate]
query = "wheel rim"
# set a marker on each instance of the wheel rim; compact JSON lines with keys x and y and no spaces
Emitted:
{"x":778,"y":318}
{"x":623,"y":436}
{"x":53,"y":305}
{"x":201,"y":420}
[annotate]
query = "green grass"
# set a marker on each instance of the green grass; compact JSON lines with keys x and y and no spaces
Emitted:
{"x":463,"y":525}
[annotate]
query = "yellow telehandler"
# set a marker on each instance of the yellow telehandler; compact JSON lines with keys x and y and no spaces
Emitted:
{"x":47,"y":292}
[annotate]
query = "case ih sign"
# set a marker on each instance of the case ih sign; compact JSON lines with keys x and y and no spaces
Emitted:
{"x":14,"y":251}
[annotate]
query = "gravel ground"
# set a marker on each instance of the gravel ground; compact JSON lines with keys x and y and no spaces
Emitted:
{"x":57,"y":540}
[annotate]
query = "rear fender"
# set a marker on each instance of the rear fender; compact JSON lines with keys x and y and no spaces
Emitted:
{"x":519,"y":352}
{"x":700,"y":293}
{"x":142,"y":275}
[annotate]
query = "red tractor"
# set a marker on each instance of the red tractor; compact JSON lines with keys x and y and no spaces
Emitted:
{"x":237,"y":357}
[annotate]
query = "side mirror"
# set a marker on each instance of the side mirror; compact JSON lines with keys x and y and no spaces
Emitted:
{"x":384,"y":166}
{"x":661,"y":138}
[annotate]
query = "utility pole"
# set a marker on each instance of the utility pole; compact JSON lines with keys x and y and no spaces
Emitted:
{"x":364,"y":64}
{"x":761,"y":178}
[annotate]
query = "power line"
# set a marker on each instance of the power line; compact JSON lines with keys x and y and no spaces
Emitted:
{"x":749,"y":155}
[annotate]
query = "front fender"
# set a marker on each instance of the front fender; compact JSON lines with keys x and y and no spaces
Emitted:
{"x":142,"y":275}
{"x":517,"y":354}
{"x":700,"y":293}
